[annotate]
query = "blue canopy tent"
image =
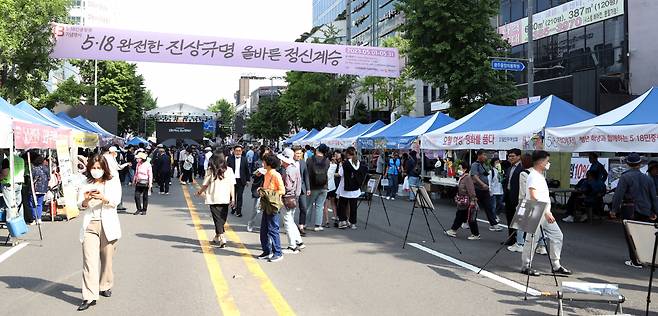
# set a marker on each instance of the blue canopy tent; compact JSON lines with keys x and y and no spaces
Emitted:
{"x":135,"y":141}
{"x":310,"y":134}
{"x":295,"y":137}
{"x":403,"y":132}
{"x":348,"y":138}
{"x":84,"y":122}
{"x":81,"y":136}
{"x":504,"y":127}
{"x":24,"y":110}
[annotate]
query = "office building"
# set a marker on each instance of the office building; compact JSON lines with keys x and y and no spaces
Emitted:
{"x":326,"y":11}
{"x":597,"y":54}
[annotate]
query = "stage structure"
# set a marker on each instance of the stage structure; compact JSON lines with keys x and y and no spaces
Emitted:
{"x":179,"y":123}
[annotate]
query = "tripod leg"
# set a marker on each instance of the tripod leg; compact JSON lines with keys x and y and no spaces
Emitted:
{"x":428,"y":224}
{"x":368,"y":216}
{"x":444,"y":230}
{"x":495,"y":254}
{"x":548,"y":252}
{"x":384,"y":206}
{"x":409,"y":226}
{"x":40,"y":234}
{"x":532,"y":252}
{"x":653,"y":269}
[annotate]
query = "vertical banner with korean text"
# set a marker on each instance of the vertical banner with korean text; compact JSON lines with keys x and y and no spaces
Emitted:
{"x":68,"y":181}
{"x":86,"y":42}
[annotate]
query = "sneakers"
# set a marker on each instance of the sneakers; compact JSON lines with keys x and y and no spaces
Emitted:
{"x":276,"y":259}
{"x":451,"y":233}
{"x":515,"y":248}
{"x":264,"y":256}
{"x":474,"y":237}
{"x":327,"y":225}
{"x":353,"y":226}
{"x":562,"y":271}
{"x":291,"y":250}
{"x":388,"y":198}
{"x":392,"y":198}
{"x":541,"y":250}
{"x":250,"y":226}
{"x":318,"y":228}
{"x":342,"y":225}
{"x":568,"y":219}
{"x":583,"y":218}
{"x":496,"y":228}
{"x":633,"y":265}
{"x":301,"y":246}
{"x":530,"y":272}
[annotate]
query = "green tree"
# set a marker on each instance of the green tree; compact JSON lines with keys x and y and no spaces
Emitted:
{"x":360,"y":115}
{"x":25,"y":46}
{"x":392,"y":93}
{"x":226,"y":115}
{"x":450,"y":42}
{"x":68,"y":92}
{"x":150,"y":103}
{"x":119,"y":86}
{"x":270,"y":121}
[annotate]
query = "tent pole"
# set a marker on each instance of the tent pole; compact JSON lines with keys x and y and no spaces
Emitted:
{"x":12,"y":182}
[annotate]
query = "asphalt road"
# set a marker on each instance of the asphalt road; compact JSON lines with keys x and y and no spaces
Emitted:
{"x":165,"y":266}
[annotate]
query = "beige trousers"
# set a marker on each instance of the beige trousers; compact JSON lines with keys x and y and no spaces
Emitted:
{"x":97,"y":255}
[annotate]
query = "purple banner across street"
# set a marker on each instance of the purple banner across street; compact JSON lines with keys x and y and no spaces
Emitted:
{"x":85,"y":42}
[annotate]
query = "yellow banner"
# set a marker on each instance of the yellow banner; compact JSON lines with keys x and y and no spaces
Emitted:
{"x":85,"y":140}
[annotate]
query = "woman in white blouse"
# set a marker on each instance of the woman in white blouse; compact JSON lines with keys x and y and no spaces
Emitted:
{"x":100,"y":231}
{"x":219,"y":187}
{"x":352,"y":174}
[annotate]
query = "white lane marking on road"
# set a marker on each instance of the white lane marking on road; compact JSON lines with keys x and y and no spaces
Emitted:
{"x":12,"y":251}
{"x":487,"y":222}
{"x":475,"y":269}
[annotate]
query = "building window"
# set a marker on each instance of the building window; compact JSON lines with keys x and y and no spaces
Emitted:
{"x":614,"y":57}
{"x":505,"y":8}
{"x":594,"y":44}
{"x":425,"y":94}
{"x":518,"y":9}
{"x":577,"y":49}
{"x":542,"y":5}
{"x":433,"y":94}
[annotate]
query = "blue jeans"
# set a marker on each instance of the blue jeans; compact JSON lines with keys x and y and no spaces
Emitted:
{"x":269,"y":234}
{"x":317,"y":197}
{"x":413,"y":182}
{"x":392,"y":188}
{"x":37,"y":210}
{"x":497,"y":203}
{"x":130,"y":175}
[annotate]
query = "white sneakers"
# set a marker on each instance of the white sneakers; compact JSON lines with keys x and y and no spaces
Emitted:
{"x":250,"y":226}
{"x":496,"y":228}
{"x":541,"y":250}
{"x":632,"y":265}
{"x":318,"y":228}
{"x":353,"y":226}
{"x":568,"y":219}
{"x":515,"y":248}
{"x":451,"y":233}
{"x":474,"y":237}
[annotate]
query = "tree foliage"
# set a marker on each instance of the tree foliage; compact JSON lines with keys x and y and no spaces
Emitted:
{"x":270,"y":120}
{"x":392,"y":93}
{"x":68,"y":92}
{"x":119,"y":86}
{"x":450,"y":42}
{"x":360,"y":115}
{"x":226,"y":116}
{"x":25,"y":46}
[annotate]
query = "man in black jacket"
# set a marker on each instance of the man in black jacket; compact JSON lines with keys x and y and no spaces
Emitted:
{"x":511,"y":189}
{"x":238,"y":163}
{"x":306,"y":188}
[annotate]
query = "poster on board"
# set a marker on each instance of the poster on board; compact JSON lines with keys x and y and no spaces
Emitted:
{"x":580,"y":166}
{"x":68,"y":180}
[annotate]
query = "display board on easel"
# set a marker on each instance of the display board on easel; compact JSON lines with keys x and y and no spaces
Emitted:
{"x":68,"y":186}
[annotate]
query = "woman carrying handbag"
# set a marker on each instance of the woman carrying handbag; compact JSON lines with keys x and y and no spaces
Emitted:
{"x":143,"y":182}
{"x":466,"y":204}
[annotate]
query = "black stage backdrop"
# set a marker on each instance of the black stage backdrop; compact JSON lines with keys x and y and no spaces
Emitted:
{"x":179,"y":130}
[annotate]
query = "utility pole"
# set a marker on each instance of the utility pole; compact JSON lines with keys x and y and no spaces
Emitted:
{"x":531,"y":52}
{"x":95,"y":82}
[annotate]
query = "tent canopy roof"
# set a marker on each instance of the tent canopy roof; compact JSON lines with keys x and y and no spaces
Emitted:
{"x":181,"y":110}
{"x":360,"y":129}
{"x":642,"y":110}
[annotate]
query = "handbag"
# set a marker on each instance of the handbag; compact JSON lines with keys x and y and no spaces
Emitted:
{"x":142,"y":183}
{"x":290,"y":202}
{"x":463,"y":201}
{"x":385,"y":182}
{"x":17,"y":226}
{"x":405,"y":184}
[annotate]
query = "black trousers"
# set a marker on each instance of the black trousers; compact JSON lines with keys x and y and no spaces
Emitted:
{"x":187,"y":176}
{"x":484,"y":200}
{"x":302,"y":205}
{"x":239,"y":190}
{"x":163,"y":183}
{"x":462,"y":217}
{"x":219,"y":214}
{"x":142,"y":198}
{"x":631,"y":250}
{"x":510,"y":209}
{"x":343,"y":203}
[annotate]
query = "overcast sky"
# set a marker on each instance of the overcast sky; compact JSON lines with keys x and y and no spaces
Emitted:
{"x":278,"y":20}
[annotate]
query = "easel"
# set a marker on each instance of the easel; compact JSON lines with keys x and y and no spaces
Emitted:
{"x":653,"y":267}
{"x":646,"y":253}
{"x":426,"y":206}
{"x":370,"y":193}
{"x":528,"y":217}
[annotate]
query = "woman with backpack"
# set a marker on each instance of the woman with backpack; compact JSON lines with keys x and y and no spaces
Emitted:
{"x":466,"y":200}
{"x":318,"y":167}
{"x":143,"y":182}
{"x":352,"y":173}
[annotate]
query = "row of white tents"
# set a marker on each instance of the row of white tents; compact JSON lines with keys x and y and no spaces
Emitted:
{"x":550,"y":123}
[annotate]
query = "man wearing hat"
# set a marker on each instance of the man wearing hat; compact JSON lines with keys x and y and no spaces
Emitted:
{"x":293,"y":183}
{"x":111,"y":159}
{"x":635,"y":198}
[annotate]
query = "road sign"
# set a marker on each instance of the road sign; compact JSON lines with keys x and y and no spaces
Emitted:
{"x":507,"y":65}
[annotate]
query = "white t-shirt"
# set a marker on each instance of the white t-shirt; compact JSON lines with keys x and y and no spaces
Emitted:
{"x":207,"y":161}
{"x":237,"y":166}
{"x":537,"y":182}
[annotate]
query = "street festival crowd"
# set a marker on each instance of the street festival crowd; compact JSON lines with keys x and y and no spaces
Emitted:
{"x":321,"y":186}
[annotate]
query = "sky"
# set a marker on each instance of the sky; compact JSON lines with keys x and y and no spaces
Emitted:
{"x":200,"y":86}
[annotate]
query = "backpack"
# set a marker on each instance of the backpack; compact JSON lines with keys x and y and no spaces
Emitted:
{"x":417,"y":167}
{"x":318,"y":174}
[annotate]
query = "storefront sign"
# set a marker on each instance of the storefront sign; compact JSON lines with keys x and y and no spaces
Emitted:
{"x":28,"y":135}
{"x":580,"y":166}
{"x":476,"y":140}
{"x":562,"y":18}
{"x":631,"y":138}
{"x":83,"y":42}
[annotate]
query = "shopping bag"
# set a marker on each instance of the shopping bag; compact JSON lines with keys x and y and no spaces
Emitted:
{"x":17,"y":226}
{"x":405,"y":184}
{"x":385,"y":182}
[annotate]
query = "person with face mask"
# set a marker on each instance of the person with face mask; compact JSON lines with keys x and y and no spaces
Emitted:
{"x":143,"y":182}
{"x":496,"y":187}
{"x":162,"y":166}
{"x":537,"y":190}
{"x":100,"y":231}
{"x":466,"y":204}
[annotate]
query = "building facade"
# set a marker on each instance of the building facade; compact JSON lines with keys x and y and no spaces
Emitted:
{"x":595,"y":54}
{"x":326,"y":11}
